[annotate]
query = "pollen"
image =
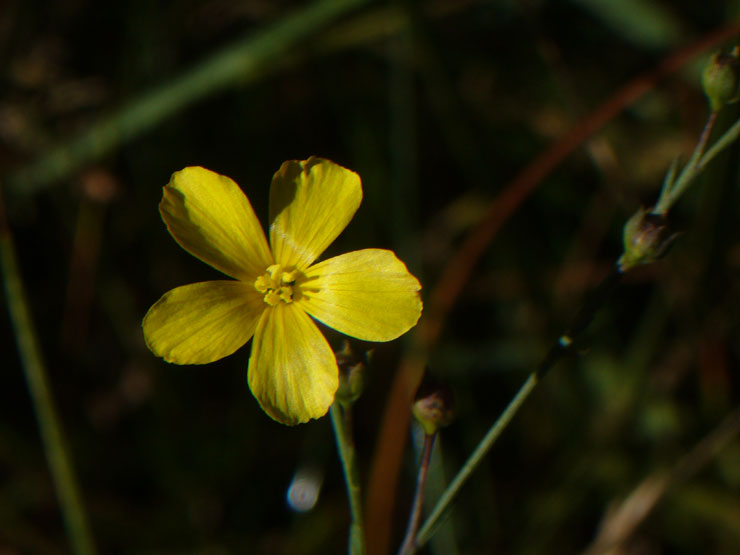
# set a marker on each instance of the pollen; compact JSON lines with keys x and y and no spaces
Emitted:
{"x":279,"y":285}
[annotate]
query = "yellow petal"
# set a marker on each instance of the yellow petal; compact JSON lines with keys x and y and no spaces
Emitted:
{"x":311,"y":202}
{"x":367,"y":294}
{"x":292,"y":370}
{"x":202,"y":322}
{"x":211,"y":218}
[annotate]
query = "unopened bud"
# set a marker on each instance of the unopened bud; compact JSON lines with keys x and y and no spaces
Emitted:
{"x":645,"y":239}
{"x":721,"y":79}
{"x":351,"y":375}
{"x":434,"y":408}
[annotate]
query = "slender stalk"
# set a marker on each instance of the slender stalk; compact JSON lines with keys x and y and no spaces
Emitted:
{"x":672,"y":192}
{"x":563,"y":345}
{"x":729,"y":137}
{"x":475,"y":459}
{"x":409,"y":543}
{"x":52,"y":437}
{"x":701,"y":144}
{"x":345,"y":445}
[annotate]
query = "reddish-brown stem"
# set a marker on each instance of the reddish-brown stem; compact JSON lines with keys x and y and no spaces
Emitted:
{"x":409,"y":542}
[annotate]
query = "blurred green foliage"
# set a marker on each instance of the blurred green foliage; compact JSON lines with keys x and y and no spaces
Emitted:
{"x":436,"y":105}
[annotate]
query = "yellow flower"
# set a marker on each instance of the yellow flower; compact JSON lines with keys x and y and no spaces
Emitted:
{"x":368,"y":294}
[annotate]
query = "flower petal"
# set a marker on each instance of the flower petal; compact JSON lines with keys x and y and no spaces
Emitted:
{"x":202,"y":322}
{"x":367,"y":294}
{"x":311,"y":202}
{"x":211,"y":218}
{"x":292,"y":370}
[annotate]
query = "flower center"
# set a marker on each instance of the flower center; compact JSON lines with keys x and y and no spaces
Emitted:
{"x":278,"y":285}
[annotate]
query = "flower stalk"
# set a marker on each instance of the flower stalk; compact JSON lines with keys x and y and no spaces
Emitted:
{"x":485,"y":445}
{"x":433,"y":409}
{"x":409,"y":544}
{"x":721,"y":83}
{"x":341,"y":423}
{"x":672,"y":190}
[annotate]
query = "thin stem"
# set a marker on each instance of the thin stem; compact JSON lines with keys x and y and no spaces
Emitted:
{"x":696,"y":164}
{"x":409,"y":543}
{"x":596,"y":299}
{"x":475,"y":459}
{"x":669,"y":180}
{"x":701,"y":145}
{"x":345,"y":445}
{"x":52,"y":437}
{"x":562,"y":346}
{"x":720,"y":144}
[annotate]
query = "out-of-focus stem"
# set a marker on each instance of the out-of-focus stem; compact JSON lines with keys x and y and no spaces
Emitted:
{"x":241,"y":62}
{"x":669,"y":195}
{"x":55,"y":447}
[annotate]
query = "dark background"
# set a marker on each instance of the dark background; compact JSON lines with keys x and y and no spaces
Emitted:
{"x":437,"y":105}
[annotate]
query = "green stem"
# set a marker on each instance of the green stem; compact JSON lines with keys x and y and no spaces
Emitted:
{"x":701,"y":144}
{"x":475,"y":459}
{"x":345,"y":446}
{"x":239,"y":63}
{"x":52,"y":437}
{"x":729,"y":137}
{"x":698,"y":161}
{"x":409,"y":544}
{"x":563,"y":345}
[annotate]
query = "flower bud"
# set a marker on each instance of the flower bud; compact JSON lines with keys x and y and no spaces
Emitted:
{"x":721,"y":79}
{"x":645,"y":239}
{"x":434,"y":408}
{"x":351,"y":375}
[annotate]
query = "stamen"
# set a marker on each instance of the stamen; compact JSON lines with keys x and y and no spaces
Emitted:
{"x":279,"y":285}
{"x":290,"y":277}
{"x":262,"y":284}
{"x":272,"y":298}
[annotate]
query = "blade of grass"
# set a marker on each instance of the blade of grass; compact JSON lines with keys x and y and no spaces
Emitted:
{"x":239,"y":63}
{"x":52,"y":436}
